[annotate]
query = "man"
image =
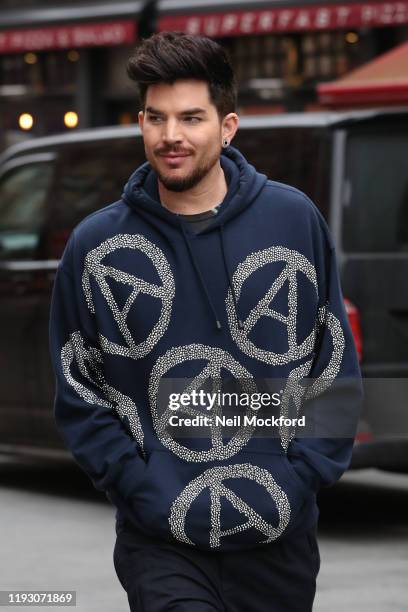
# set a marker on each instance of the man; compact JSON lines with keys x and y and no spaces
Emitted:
{"x":204,"y":269}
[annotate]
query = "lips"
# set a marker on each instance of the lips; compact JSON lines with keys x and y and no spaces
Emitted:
{"x":174,"y":154}
{"x":174,"y":158}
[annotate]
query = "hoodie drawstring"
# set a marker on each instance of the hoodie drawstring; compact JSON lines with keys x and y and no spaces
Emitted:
{"x":201,"y":278}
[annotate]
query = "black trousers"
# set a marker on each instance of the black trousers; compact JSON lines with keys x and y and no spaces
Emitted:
{"x":164,"y":577}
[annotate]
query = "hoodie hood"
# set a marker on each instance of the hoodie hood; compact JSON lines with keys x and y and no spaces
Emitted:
{"x":244,"y":185}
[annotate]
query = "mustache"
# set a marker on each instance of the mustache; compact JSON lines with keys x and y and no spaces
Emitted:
{"x":173,"y":150}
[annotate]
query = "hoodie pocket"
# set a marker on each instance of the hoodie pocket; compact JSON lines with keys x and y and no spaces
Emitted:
{"x":126,"y":505}
{"x":252,"y":500}
{"x":165,"y":475}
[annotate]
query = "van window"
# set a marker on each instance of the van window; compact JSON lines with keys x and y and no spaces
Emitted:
{"x":23,"y":197}
{"x":297,"y":156}
{"x":91,"y":176}
{"x":375,"y":198}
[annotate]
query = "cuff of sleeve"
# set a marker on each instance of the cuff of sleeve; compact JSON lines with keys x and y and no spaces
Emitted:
{"x":306,"y":473}
{"x":130,"y":477}
{"x":123,"y":477}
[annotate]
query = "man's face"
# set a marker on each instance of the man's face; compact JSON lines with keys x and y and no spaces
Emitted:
{"x":182,"y":133}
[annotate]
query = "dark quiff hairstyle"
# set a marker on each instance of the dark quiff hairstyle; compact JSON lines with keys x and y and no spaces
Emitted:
{"x":170,"y":56}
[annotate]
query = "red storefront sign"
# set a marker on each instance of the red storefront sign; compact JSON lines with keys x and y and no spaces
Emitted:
{"x":292,"y":19}
{"x":67,"y":37}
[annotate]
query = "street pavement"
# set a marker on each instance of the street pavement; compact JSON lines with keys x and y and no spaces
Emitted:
{"x":57,"y":532}
{"x":363,"y":540}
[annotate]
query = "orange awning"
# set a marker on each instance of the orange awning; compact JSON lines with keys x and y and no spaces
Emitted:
{"x":383,"y":80}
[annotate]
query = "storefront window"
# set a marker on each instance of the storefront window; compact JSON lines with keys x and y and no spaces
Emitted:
{"x":40,"y":71}
{"x":293,"y":57}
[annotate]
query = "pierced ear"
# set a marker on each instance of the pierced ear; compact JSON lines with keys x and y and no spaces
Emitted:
{"x":230,"y":125}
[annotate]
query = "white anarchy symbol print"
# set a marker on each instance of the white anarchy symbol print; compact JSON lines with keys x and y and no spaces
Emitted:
{"x":215,"y":360}
{"x":164,"y":292}
{"x":298,"y":393}
{"x":89,"y":363}
{"x":295,"y":263}
{"x":214,"y":479}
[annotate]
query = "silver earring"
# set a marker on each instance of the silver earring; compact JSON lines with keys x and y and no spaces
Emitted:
{"x":225,"y":143}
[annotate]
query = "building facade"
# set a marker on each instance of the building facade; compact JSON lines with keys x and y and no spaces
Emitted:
{"x":64,"y":65}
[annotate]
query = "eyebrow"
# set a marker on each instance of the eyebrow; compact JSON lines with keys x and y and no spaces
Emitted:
{"x":194,"y":111}
{"x":191,"y":111}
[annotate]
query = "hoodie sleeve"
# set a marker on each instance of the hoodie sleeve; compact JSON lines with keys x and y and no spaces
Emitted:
{"x":87,"y":411}
{"x":334,"y":396}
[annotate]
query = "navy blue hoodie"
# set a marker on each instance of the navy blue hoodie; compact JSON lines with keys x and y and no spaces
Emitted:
{"x":139,"y":297}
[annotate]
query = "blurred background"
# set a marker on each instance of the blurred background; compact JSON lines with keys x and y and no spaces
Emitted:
{"x":62,"y":64}
{"x":323,"y":99}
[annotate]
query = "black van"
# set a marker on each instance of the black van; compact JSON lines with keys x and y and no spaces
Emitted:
{"x":353,"y":165}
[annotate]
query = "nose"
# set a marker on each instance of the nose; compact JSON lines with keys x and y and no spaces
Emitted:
{"x":171,"y":132}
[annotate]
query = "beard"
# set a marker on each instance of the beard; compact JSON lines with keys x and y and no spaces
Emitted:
{"x":183,"y":183}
